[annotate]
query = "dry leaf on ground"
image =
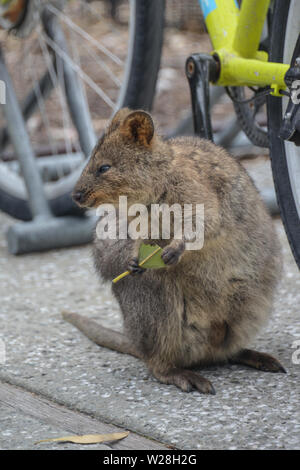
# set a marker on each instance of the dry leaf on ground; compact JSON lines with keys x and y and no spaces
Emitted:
{"x":88,"y":438}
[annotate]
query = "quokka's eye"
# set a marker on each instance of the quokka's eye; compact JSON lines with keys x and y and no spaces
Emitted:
{"x":103,"y":169}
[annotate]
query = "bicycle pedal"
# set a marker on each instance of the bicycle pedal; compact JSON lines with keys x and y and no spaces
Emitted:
{"x":200,"y":70}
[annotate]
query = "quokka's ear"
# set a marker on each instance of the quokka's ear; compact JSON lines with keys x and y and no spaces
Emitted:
{"x":138,"y":127}
{"x":118,"y":118}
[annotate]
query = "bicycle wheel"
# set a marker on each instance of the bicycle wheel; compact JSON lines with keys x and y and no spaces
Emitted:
{"x":130,"y":81}
{"x":285,"y":156}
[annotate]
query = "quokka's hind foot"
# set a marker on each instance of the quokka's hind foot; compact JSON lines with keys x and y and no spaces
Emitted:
{"x":257,"y":360}
{"x":186,"y":380}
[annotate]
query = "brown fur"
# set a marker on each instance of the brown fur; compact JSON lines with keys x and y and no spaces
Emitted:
{"x":208,"y":304}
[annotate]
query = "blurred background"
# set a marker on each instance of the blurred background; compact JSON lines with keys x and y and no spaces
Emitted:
{"x":107,"y":23}
{"x":89,"y":45}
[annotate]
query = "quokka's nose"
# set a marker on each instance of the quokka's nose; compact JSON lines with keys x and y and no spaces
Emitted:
{"x":78,"y":196}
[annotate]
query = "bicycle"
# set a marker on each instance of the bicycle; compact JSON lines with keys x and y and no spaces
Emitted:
{"x":238,"y":61}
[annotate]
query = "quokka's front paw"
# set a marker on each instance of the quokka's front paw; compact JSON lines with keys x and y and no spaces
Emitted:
{"x":134,"y":268}
{"x":171,"y":253}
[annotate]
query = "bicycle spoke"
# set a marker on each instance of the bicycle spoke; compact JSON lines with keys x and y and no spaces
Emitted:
{"x":65,"y":115}
{"x":47,"y":57}
{"x":58,"y":77}
{"x":42,"y":109}
{"x":80,"y":72}
{"x":76,"y":58}
{"x":84,"y":34}
{"x":103,"y":65}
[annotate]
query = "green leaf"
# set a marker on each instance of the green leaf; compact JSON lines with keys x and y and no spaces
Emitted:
{"x":155,"y":262}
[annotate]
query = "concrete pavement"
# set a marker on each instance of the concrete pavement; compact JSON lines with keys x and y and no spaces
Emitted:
{"x":49,"y":357}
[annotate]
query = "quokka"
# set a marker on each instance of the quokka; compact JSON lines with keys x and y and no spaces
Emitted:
{"x":205,"y":305}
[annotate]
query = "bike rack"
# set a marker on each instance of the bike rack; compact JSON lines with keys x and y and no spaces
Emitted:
{"x":45,"y":231}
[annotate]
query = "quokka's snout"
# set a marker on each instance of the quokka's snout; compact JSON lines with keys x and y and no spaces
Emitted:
{"x":78,"y":196}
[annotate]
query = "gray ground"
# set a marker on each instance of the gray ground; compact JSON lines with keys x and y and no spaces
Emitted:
{"x":50,"y":357}
{"x":20,"y":431}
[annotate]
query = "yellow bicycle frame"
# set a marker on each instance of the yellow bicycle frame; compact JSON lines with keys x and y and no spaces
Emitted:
{"x":235,"y":34}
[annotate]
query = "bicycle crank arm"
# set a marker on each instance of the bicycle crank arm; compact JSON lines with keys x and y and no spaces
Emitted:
{"x":290,"y":127}
{"x":200,"y":70}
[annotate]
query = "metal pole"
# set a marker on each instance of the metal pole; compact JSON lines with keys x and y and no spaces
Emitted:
{"x":22,"y":146}
{"x":73,"y":88}
{"x":29,"y":104}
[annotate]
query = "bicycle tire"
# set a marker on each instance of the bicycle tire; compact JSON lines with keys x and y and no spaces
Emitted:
{"x":140,"y":81}
{"x":279,"y":148}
